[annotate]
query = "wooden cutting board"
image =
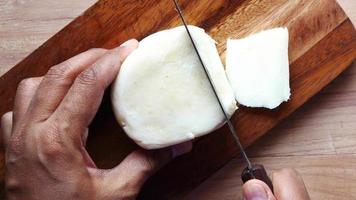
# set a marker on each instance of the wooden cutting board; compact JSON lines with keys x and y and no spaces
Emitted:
{"x":322,"y":45}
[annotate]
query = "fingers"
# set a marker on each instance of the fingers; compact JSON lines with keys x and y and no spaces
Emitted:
{"x":288,"y":184}
{"x":136,"y":168}
{"x":84,"y":97}
{"x":126,"y":179}
{"x":57,"y":82}
{"x":256,"y":189}
{"x":24,"y":94}
{"x":6,"y":128}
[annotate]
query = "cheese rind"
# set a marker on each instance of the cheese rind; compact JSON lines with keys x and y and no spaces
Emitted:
{"x":257,"y":68}
{"x":162,"y":97}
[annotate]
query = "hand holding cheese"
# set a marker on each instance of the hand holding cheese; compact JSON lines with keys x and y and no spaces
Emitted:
{"x":45,"y":135}
{"x":162,"y":96}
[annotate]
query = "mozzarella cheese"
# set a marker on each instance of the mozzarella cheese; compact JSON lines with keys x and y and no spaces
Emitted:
{"x":257,"y":68}
{"x":162,"y":96}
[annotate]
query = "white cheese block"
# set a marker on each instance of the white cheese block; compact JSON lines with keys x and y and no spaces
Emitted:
{"x":162,"y":96}
{"x":257,"y":68}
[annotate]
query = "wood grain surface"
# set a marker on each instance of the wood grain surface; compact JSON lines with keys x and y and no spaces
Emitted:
{"x":326,"y":44}
{"x":24,"y":25}
{"x":318,"y":140}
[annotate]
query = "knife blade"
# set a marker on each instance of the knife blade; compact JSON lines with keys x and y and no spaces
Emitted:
{"x":255,"y":171}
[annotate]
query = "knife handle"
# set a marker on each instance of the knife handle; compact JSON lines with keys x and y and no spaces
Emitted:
{"x":257,"y":172}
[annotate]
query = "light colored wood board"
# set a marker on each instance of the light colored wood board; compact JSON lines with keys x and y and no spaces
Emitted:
{"x":324,"y":179}
{"x":307,"y":22}
{"x":25,"y":25}
{"x":287,"y":145}
{"x":324,"y":125}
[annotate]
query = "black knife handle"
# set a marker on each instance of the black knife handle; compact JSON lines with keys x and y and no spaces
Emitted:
{"x":257,"y":172}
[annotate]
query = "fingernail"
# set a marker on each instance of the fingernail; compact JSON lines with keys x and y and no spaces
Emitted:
{"x":128,"y":43}
{"x":255,"y":192}
{"x":181,"y":149}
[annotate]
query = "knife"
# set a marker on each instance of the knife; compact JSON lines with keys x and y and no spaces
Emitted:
{"x":252,"y":171}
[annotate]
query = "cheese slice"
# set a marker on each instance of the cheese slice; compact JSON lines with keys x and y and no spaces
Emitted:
{"x":162,"y":96}
{"x":257,"y":68}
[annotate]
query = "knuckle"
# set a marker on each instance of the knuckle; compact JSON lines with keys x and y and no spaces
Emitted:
{"x":26,"y":84}
{"x":5,"y":131}
{"x":15,"y":147}
{"x":49,"y":147}
{"x":5,"y":117}
{"x":88,"y":76}
{"x":49,"y":143}
{"x":52,"y":150}
{"x":60,"y":72}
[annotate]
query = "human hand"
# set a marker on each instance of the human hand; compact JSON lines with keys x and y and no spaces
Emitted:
{"x":46,"y":133}
{"x":287,"y":185}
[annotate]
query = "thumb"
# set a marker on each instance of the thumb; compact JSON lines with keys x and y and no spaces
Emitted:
{"x":137,"y":167}
{"x":256,"y":190}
